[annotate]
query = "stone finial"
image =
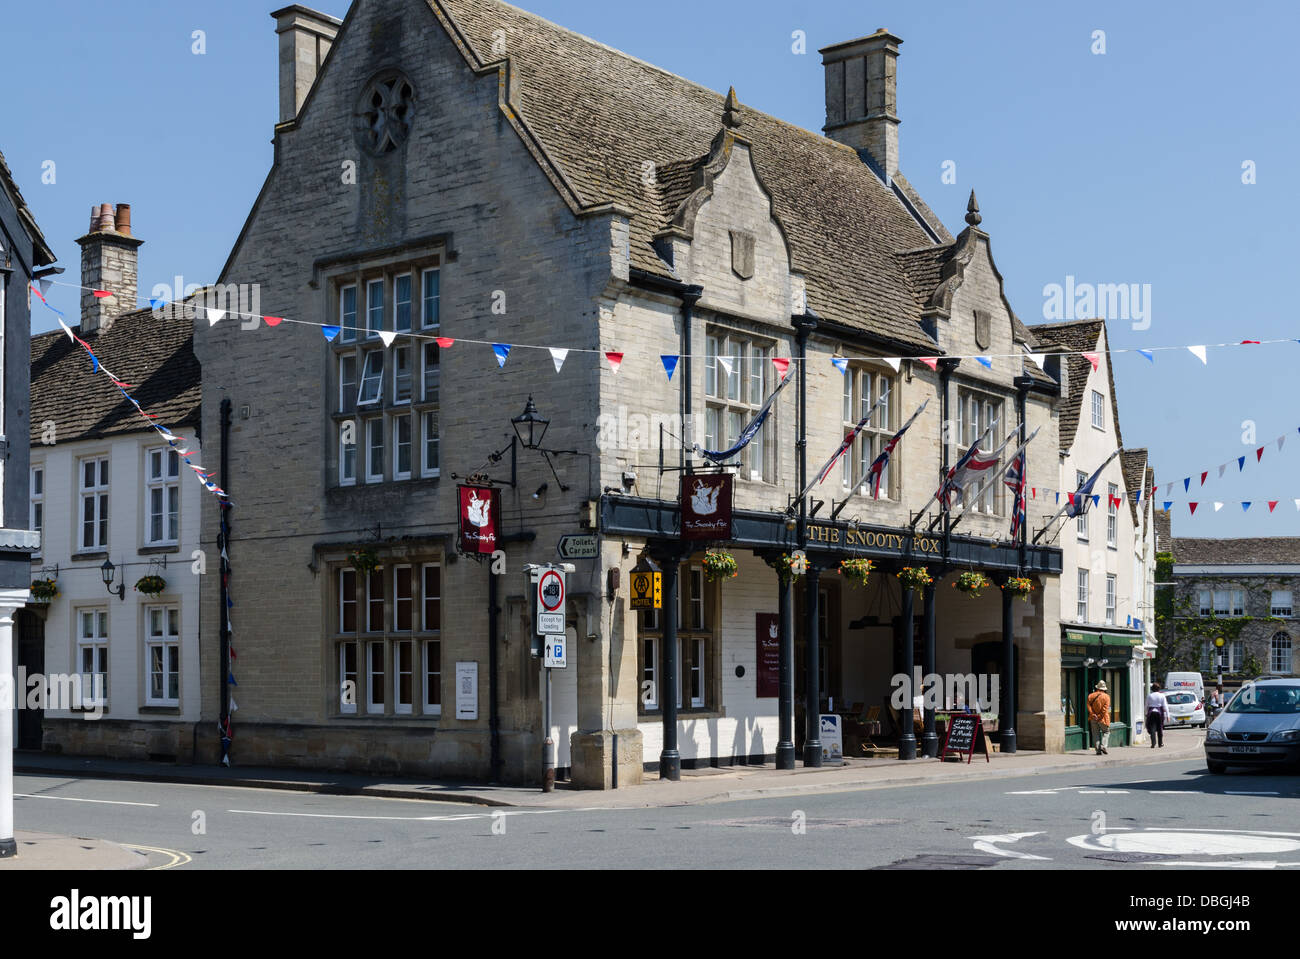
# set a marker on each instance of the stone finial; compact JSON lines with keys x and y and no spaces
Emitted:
{"x":973,"y":211}
{"x":731,"y":111}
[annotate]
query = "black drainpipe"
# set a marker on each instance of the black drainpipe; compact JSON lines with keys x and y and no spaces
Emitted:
{"x":690,"y":295}
{"x":223,"y":543}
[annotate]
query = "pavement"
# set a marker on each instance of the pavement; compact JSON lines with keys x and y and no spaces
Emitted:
{"x":696,"y":786}
{"x":43,"y":850}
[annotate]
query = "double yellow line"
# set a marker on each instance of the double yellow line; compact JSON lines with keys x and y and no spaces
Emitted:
{"x":178,"y":858}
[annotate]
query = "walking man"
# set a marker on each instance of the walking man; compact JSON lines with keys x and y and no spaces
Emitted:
{"x":1157,"y":714}
{"x":1099,"y":714}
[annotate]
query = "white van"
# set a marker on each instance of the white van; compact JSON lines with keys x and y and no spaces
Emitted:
{"x":1185,"y":683}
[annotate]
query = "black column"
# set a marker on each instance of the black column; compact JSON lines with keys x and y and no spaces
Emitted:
{"x":785,"y":756}
{"x":670,"y":760}
{"x":812,"y":740}
{"x":1007,"y":690}
{"x":930,"y":739}
{"x":906,"y":736}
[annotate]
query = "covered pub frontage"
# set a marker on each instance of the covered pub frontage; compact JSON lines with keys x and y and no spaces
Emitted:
{"x":757,"y":659}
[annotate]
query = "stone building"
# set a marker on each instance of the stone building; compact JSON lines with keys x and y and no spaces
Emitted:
{"x":106,"y":489}
{"x":25,"y":258}
{"x":1107,"y":631}
{"x":450,"y":175}
{"x":1242,"y":591}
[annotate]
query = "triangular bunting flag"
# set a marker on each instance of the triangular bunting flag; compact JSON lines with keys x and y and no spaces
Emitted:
{"x":725,"y":363}
{"x":1096,"y":499}
{"x":502,"y":351}
{"x":1149,"y":355}
{"x":45,"y":283}
{"x":1187,"y":484}
{"x":1203,"y":475}
{"x":387,"y":337}
{"x":330,"y":332}
{"x":1241,"y":463}
{"x":1222,"y":467}
{"x":985,"y":361}
{"x":67,"y":329}
{"x":1245,"y":507}
{"x":1280,"y":441}
{"x":101,"y":294}
{"x":1272,"y":505}
{"x":1193,"y":507}
{"x":893,"y":364}
{"x":558,"y":357}
{"x":1249,"y":342}
{"x":1198,"y":352}
{"x":1094,"y":359}
{"x":930,"y":361}
{"x":1037,"y":358}
{"x":670,"y":365}
{"x":155,"y":304}
{"x":273,"y":320}
{"x":1168,"y":504}
{"x":445,"y":342}
{"x":615,"y":360}
{"x":1259,"y":454}
{"x":215,"y":316}
{"x":781,"y":363}
{"x":1218,"y":506}
{"x":839,"y":362}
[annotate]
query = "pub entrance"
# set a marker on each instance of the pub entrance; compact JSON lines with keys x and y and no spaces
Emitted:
{"x":30,"y":630}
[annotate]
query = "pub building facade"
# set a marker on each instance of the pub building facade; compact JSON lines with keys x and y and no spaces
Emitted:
{"x":517,"y":183}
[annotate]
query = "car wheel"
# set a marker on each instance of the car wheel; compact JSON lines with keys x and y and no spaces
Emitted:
{"x":1216,"y":768}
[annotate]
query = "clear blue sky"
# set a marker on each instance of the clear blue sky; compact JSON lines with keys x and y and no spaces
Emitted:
{"x":1117,"y":168}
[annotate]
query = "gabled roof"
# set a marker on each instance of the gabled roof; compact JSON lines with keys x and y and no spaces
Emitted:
{"x":1164,"y":535}
{"x":1271,"y":550}
{"x":600,"y":115}
{"x":1134,"y":465}
{"x":155,"y":356}
{"x":1077,"y":336}
{"x":44,"y":256}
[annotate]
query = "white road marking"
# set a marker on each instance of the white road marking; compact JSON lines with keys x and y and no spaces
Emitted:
{"x":106,"y":802}
{"x":1248,"y":792}
{"x":1177,"y":792}
{"x":1226,"y":865}
{"x":499,"y":810}
{"x":1108,"y":792}
{"x":1185,"y":842}
{"x":986,"y":844}
{"x":1034,"y":792}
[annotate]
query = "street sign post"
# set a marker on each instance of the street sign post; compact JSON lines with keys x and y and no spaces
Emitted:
{"x":556,"y":652}
{"x":549,"y":594}
{"x":578,"y":546}
{"x":550,"y":601}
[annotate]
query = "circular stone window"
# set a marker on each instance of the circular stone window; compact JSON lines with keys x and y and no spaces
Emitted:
{"x":385,"y":112}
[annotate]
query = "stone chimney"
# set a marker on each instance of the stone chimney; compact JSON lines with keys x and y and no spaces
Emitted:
{"x":109,"y":262}
{"x":862,"y":96}
{"x":305,"y":38}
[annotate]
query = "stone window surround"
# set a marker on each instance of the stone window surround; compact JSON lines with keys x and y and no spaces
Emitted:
{"x":710,"y":634}
{"x":723,"y":326}
{"x":876,"y":436}
{"x":147,"y":641}
{"x":335,"y":639}
{"x":963,"y":390}
{"x":358,"y":272}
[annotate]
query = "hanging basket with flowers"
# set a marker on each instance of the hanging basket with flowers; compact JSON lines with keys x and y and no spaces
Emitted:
{"x":363,"y":560}
{"x":792,"y":567}
{"x":45,"y":590}
{"x":914,"y":577}
{"x":972,"y":583}
{"x":150,"y":585}
{"x":719,"y":564}
{"x":856,"y":571}
{"x":1020,"y":586}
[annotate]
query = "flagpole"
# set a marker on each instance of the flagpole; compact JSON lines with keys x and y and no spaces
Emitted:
{"x":998,"y":472}
{"x":1057,"y":515}
{"x":862,"y":482}
{"x":841,"y":451}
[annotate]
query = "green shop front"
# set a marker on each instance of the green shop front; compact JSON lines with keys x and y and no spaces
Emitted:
{"x":1086,"y":659}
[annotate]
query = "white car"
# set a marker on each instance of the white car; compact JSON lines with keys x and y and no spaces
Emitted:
{"x":1185,"y":709}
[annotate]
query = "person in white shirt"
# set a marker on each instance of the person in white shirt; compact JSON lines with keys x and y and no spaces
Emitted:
{"x":1157,"y":715}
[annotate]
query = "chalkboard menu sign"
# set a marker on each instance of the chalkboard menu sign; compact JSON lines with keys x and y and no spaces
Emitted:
{"x":965,"y":735}
{"x":768,"y":653}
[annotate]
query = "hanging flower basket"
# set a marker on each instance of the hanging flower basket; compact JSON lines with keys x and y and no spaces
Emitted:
{"x":972,"y":583}
{"x":1020,"y":586}
{"x":856,"y":571}
{"x":719,"y":564}
{"x":792,"y":567}
{"x":150,"y":585}
{"x":914,"y":577}
{"x":45,"y":590}
{"x":363,"y":560}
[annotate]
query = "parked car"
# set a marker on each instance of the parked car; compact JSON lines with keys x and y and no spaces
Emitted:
{"x":1185,"y":709}
{"x":1260,"y":726}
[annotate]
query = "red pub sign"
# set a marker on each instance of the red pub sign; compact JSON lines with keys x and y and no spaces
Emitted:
{"x":480,"y":516}
{"x":706,"y":506}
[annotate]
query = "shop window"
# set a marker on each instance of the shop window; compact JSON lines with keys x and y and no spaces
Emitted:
{"x":697,"y":687}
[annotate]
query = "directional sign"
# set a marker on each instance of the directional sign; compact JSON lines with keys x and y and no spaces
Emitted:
{"x":550,"y":601}
{"x":578,"y":546}
{"x":647,"y":590}
{"x":556,"y":652}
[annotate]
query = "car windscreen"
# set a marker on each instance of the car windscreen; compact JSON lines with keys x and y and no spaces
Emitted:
{"x":1179,"y":699}
{"x":1266,"y":699}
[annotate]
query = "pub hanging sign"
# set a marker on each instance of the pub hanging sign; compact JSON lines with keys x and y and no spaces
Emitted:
{"x":706,"y":502}
{"x":480,"y":517}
